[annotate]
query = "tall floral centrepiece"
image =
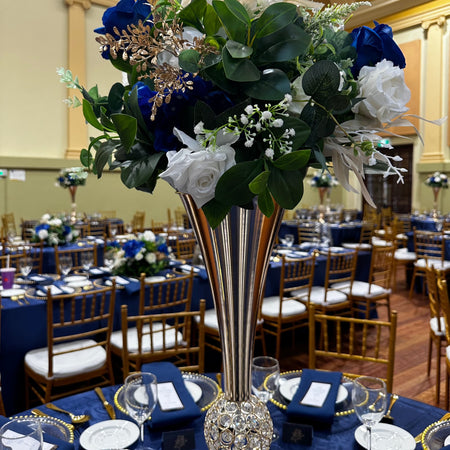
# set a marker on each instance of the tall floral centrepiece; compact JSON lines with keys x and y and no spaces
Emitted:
{"x":231,"y":103}
{"x":53,"y":230}
{"x":323,"y":181}
{"x":70,"y":178}
{"x":437,"y":181}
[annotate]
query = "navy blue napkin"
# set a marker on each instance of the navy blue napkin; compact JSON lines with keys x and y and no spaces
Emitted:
{"x":323,"y":414}
{"x":166,"y":371}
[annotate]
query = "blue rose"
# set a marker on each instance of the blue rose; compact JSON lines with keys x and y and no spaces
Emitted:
{"x":126,"y":12}
{"x":163,"y":248}
{"x":374,"y":45}
{"x":131,"y":248}
{"x":42,"y":226}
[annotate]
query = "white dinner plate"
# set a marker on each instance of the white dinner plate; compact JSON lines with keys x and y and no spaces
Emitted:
{"x":194,"y":389}
{"x":80,"y":283}
{"x":11,"y":292}
{"x":74,"y":278}
{"x":155,"y":279}
{"x":386,"y":437}
{"x":109,"y":434}
{"x":284,"y":251}
{"x":15,"y":286}
{"x":55,"y":290}
{"x":289,"y":387}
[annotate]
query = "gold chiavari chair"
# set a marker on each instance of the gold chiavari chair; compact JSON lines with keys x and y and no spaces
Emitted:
{"x":98,"y":228}
{"x":365,"y":296}
{"x":77,"y":356}
{"x":365,"y":343}
{"x":12,"y":259}
{"x":28,"y":227}
{"x":365,"y":238}
{"x":185,"y":248}
{"x":76,"y":254}
{"x":175,"y":336}
{"x":138,"y":221}
{"x":8,"y":225}
{"x":308,"y":232}
{"x":287,"y":311}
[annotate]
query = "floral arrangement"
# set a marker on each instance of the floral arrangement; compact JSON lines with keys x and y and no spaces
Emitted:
{"x":72,"y":176}
{"x":147,"y":254}
{"x":54,"y":231}
{"x":231,"y":102}
{"x":437,"y":180}
{"x":323,"y":179}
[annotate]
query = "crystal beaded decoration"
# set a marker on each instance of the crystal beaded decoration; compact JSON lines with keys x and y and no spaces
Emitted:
{"x":238,"y":425}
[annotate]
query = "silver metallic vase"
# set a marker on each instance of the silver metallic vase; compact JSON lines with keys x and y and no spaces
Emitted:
{"x":236,"y":256}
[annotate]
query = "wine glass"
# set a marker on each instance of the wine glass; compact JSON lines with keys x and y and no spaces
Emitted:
{"x":21,"y":433}
{"x":87,"y":260}
{"x":65,"y":264}
{"x":140,"y":397}
{"x":369,"y":397}
{"x":265,"y":380}
{"x":25,"y":266}
{"x":289,"y":240}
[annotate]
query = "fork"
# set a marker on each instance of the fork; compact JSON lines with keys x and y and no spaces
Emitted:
{"x":418,"y":438}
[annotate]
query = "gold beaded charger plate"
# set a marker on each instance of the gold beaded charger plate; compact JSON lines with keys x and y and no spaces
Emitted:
{"x":209,"y":391}
{"x":39,"y":294}
{"x":343,"y":404}
{"x":53,"y":427}
{"x":436,"y":435}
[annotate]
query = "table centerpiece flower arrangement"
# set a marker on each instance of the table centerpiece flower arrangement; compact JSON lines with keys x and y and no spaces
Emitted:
{"x":70,"y":178}
{"x":231,"y":103}
{"x":323,"y":181}
{"x":436,"y":181}
{"x":147,"y":254}
{"x":53,"y":230}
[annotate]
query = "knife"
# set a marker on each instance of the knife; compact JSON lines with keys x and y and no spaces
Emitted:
{"x":109,"y":408}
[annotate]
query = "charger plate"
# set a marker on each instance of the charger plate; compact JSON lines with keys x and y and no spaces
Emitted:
{"x":210,"y":390}
{"x":435,"y":435}
{"x":53,"y":427}
{"x":343,"y":408}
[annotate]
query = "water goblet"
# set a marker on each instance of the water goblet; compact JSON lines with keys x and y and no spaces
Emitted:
{"x":65,"y":264}
{"x":289,"y":240}
{"x":369,"y":397}
{"x":113,"y":230}
{"x":140,"y":397}
{"x":265,"y":380}
{"x":21,"y":433}
{"x":87,"y":260}
{"x":25,"y":266}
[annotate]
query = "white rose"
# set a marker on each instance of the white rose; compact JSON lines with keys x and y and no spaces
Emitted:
{"x":138,"y":256}
{"x":384,"y":91}
{"x":69,"y":237}
{"x":53,"y":239}
{"x":150,"y":258}
{"x":43,"y":234}
{"x":195,"y":170}
{"x":148,"y":235}
{"x":45,"y":218}
{"x":299,"y":98}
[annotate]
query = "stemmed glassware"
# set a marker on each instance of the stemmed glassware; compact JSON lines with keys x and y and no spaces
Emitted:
{"x":265,"y":379}
{"x":140,"y":397}
{"x":21,"y":433}
{"x":369,"y":397}
{"x":87,"y":260}
{"x":65,"y":264}
{"x":25,"y":266}
{"x":289,"y":240}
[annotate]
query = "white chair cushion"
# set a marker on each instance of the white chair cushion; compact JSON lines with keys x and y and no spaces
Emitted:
{"x":170,"y":335}
{"x":447,"y":352}
{"x":356,"y":246}
{"x":271,"y":307}
{"x":361,"y":289}
{"x":68,"y":364}
{"x":380,"y":242}
{"x":434,"y":326}
{"x":436,"y":263}
{"x":211,"y":320}
{"x":402,"y":254}
{"x":318,"y":296}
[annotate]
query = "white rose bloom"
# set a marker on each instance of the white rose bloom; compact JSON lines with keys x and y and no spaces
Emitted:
{"x":53,"y":239}
{"x":195,"y":170}
{"x":43,"y":234}
{"x":69,"y":237}
{"x":138,"y":256}
{"x":150,"y":258}
{"x":45,"y":218}
{"x":148,"y":235}
{"x":384,"y":91}
{"x":299,"y":98}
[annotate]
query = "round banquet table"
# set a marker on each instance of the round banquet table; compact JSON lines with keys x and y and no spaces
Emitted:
{"x":408,"y":414}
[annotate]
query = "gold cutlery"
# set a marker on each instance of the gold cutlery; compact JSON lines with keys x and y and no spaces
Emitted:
{"x":387,"y":416}
{"x":109,"y":408}
{"x":75,"y":418}
{"x":16,"y":298}
{"x":418,"y":438}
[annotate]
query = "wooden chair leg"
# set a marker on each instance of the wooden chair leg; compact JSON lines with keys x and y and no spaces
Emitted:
{"x":438,"y":375}
{"x":447,"y":374}
{"x":413,"y":281}
{"x":430,"y":351}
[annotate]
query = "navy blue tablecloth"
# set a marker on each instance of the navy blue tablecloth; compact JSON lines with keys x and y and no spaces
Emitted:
{"x":410,"y":415}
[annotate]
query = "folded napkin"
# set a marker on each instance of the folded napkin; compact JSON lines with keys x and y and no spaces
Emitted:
{"x":201,"y":272}
{"x":320,"y":414}
{"x":166,"y":371}
{"x":54,"y":290}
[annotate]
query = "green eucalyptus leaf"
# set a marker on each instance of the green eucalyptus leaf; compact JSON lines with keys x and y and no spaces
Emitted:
{"x":320,"y":157}
{"x":215,"y":212}
{"x":238,"y":11}
{"x":321,"y":80}
{"x":106,"y":120}
{"x":211,"y":21}
{"x":89,"y":115}
{"x":120,"y":64}
{"x":259,"y":184}
{"x":275,"y":17}
{"x":338,"y":104}
{"x":232,"y":187}
{"x":139,"y":171}
{"x":93,"y":92}
{"x":126,"y":127}
{"x":272,"y":86}
{"x":188,"y":60}
{"x":238,"y":50}
{"x":265,"y":203}
{"x":242,"y":70}
{"x":234,"y":27}
{"x":301,"y":128}
{"x":86,"y":158}
{"x":294,"y":160}
{"x":287,"y":186}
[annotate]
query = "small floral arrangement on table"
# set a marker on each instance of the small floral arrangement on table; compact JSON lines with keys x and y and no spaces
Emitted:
{"x":323,"y":179}
{"x":54,"y":231}
{"x":232,"y":102}
{"x":437,"y":180}
{"x":147,"y":254}
{"x":72,"y":176}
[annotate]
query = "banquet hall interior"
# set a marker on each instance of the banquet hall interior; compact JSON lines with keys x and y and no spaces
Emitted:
{"x":402,"y":246}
